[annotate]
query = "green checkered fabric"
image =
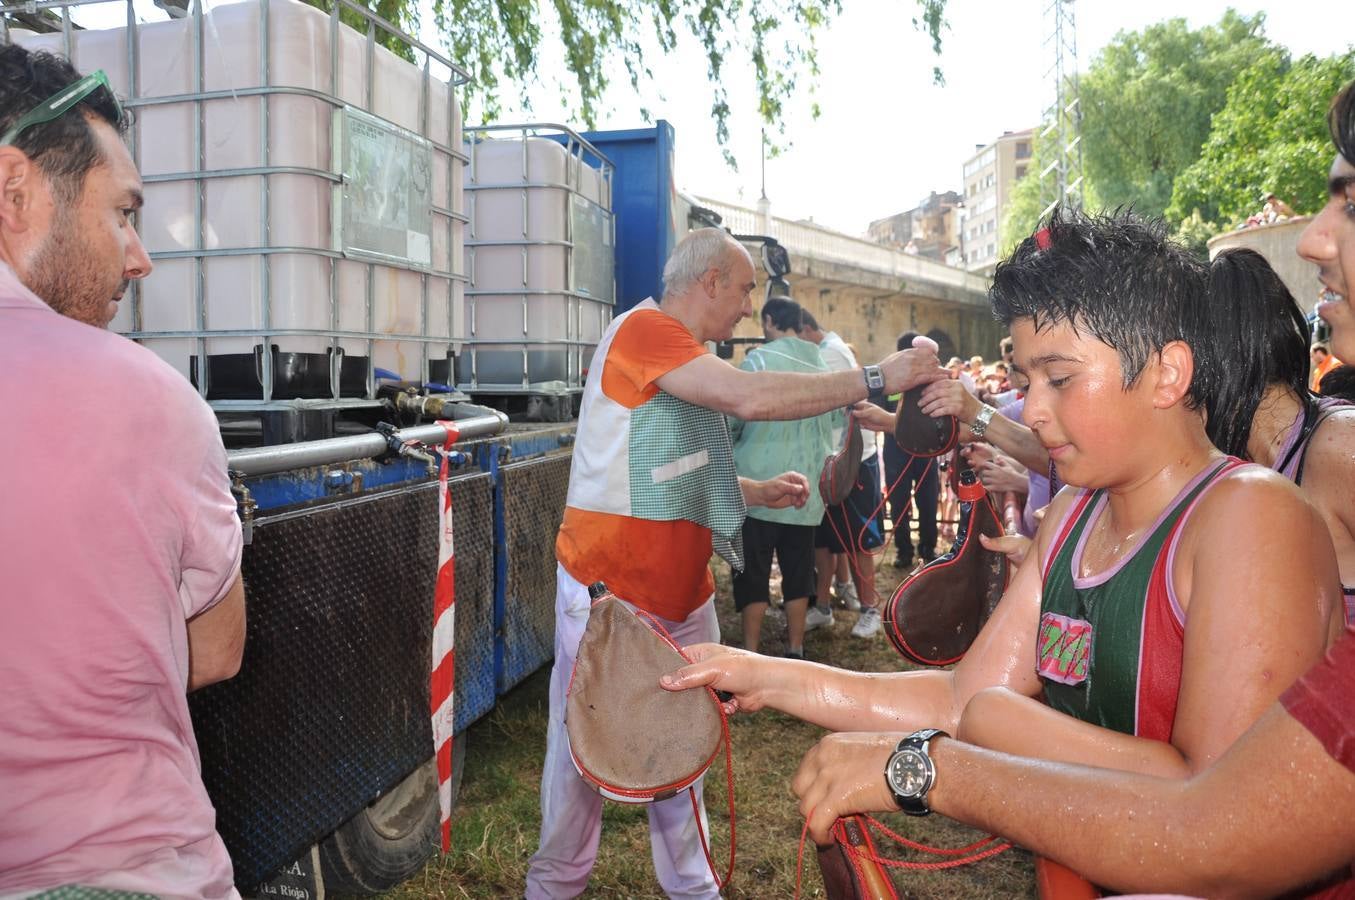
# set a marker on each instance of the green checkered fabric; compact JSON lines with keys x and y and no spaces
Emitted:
{"x":664,"y":432}
{"x":75,"y":892}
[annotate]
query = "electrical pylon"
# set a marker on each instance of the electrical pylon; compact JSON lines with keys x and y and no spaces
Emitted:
{"x":1061,"y":178}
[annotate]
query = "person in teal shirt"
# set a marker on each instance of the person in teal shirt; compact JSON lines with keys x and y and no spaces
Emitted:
{"x":798,"y":445}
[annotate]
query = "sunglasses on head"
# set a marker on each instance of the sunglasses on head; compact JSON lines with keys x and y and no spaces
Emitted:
{"x":60,"y":103}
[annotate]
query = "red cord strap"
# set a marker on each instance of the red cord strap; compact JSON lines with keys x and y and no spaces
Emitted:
{"x":865,"y":859}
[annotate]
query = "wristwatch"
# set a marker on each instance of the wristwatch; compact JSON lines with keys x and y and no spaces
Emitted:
{"x":980,"y":426}
{"x":875,"y":382}
{"x":910,"y":772}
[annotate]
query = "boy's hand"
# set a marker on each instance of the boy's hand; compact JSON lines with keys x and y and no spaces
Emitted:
{"x":727,"y":669}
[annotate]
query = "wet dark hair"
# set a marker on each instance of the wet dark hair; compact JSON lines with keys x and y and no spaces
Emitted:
{"x":1339,"y":382}
{"x":65,"y":149}
{"x":905,"y":340}
{"x":1249,"y":335}
{"x":1341,"y":122}
{"x":1113,"y":276}
{"x":786,"y":315}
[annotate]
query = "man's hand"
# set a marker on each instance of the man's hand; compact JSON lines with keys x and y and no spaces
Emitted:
{"x":786,"y":489}
{"x":841,"y":775}
{"x":722,"y":668}
{"x":874,"y":418}
{"x":949,"y":398}
{"x":908,"y":368}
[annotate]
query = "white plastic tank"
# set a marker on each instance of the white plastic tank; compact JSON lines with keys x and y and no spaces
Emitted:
{"x":317,"y":298}
{"x":540,"y":258}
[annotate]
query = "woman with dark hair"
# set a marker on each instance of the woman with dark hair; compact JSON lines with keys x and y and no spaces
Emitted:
{"x":1253,"y":375}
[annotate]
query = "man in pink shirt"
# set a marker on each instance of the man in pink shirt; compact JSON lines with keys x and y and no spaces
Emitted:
{"x":119,"y":543}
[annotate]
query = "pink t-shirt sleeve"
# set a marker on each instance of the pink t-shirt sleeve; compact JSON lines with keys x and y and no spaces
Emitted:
{"x":1322,"y":700}
{"x":212,"y":542}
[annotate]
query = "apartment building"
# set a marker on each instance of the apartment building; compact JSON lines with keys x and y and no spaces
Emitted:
{"x":930,"y":229}
{"x":989,"y":176}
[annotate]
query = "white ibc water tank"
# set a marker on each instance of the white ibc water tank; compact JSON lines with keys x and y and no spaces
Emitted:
{"x":254,"y":237}
{"x":540,"y":257}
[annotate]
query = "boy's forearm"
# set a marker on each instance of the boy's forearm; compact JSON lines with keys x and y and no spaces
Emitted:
{"x":842,"y":700}
{"x":1004,"y":720}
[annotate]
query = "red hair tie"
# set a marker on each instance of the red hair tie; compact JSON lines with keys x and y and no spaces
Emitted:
{"x":1042,"y":239}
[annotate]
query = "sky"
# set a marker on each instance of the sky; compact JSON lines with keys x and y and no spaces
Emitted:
{"x":887,"y":135}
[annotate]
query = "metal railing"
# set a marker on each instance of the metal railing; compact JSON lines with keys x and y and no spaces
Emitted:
{"x":817,"y":242}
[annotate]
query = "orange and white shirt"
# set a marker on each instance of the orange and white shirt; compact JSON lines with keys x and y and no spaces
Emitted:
{"x":652,"y":488}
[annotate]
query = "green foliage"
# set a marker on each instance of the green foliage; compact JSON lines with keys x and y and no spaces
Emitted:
{"x":1193,"y":125}
{"x":1147,"y":100}
{"x":1271,"y":136}
{"x":1194,"y":233}
{"x":499,"y":42}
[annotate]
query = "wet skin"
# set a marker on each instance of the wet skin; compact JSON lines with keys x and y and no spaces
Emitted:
{"x":1329,"y":242}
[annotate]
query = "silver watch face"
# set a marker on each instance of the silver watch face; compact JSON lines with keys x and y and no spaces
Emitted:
{"x":908,"y":772}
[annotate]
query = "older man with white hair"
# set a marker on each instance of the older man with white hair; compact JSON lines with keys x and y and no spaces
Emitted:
{"x":652,"y":492}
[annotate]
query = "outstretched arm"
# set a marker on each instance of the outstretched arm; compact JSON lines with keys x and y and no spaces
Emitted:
{"x":1273,"y":814}
{"x":949,"y":398}
{"x":758,"y":396}
{"x":1002,"y":654}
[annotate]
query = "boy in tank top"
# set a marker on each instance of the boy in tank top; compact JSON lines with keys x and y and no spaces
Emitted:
{"x":1173,"y":593}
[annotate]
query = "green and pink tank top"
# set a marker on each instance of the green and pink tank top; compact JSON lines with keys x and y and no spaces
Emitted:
{"x":1110,"y":644}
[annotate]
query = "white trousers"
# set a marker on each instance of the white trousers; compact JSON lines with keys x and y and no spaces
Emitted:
{"x":571,"y":811}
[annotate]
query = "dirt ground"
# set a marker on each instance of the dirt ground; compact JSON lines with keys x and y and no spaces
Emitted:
{"x":498,"y":816}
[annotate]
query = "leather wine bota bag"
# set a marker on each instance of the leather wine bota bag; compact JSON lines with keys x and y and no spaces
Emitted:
{"x":630,"y":739}
{"x":846,"y":876}
{"x":936,"y":612}
{"x":838,"y":476}
{"x":919,"y":434}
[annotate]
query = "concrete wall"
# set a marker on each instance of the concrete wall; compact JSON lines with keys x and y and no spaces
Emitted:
{"x":871,"y":321}
{"x":1278,"y":243}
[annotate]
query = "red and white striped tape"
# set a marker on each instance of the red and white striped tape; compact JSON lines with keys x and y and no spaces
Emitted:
{"x":442,"y":688}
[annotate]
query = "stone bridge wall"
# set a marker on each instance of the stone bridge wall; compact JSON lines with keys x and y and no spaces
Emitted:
{"x":872,"y":320}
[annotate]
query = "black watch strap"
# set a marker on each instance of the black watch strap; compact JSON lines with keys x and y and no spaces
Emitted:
{"x":916,"y":743}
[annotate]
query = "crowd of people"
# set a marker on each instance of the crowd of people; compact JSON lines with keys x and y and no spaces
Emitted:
{"x":1161,"y":700}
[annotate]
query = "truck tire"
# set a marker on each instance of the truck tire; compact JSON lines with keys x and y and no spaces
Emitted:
{"x":392,"y":838}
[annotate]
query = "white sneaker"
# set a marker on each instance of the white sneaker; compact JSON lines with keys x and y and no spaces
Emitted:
{"x":846,"y":592}
{"x":816,"y":617}
{"x":869,"y":623}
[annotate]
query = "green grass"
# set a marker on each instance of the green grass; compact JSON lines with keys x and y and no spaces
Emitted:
{"x":495,"y":828}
